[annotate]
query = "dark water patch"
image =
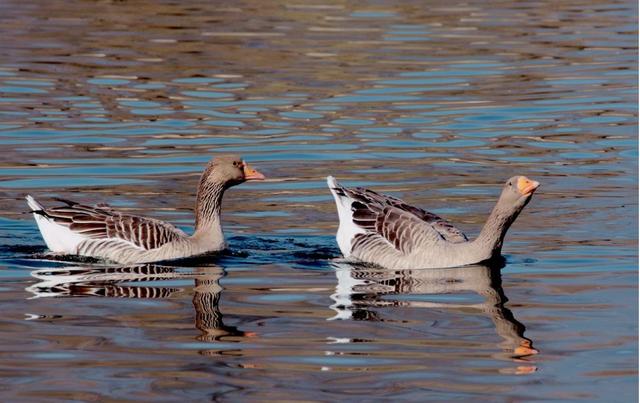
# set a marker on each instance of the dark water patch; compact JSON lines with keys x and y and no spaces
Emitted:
{"x":27,"y":250}
{"x":55,"y":257}
{"x":299,"y":248}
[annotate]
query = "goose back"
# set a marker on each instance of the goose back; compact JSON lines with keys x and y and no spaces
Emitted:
{"x":370,"y":199}
{"x":105,"y":223}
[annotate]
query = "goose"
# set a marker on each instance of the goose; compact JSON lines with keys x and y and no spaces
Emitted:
{"x":386,"y":231}
{"x":102,"y":232}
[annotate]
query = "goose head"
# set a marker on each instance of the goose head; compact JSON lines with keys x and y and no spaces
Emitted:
{"x":230,"y":170}
{"x":517,"y":192}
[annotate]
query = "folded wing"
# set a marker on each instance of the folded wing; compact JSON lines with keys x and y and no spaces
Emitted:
{"x":389,"y":230}
{"x":375,"y":200}
{"x":103,"y":223}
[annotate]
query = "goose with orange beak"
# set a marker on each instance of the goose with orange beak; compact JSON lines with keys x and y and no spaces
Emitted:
{"x":103,"y":232}
{"x":386,"y":231}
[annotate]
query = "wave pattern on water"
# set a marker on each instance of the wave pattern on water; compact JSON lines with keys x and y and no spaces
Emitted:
{"x":437,"y":105}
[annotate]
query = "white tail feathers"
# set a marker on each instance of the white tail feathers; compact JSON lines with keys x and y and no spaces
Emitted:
{"x":57,"y":237}
{"x":347,"y":229}
{"x":331,"y":182}
{"x":33,"y":204}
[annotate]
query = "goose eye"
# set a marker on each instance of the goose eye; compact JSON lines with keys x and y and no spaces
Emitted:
{"x":237,"y":164}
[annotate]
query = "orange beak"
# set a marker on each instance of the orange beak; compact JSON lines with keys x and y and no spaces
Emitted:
{"x":251,"y":174}
{"x":526,"y":186}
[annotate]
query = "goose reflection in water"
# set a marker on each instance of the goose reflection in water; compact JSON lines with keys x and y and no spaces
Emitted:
{"x":361,"y":289}
{"x":120,"y":282}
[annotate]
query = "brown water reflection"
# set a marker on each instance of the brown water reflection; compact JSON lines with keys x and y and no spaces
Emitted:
{"x":358,"y":288}
{"x":361,"y":287}
{"x":358,"y":293}
{"x":129,"y":282}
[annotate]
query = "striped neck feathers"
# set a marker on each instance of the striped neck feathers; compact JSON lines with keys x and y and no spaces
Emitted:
{"x":209,"y":200}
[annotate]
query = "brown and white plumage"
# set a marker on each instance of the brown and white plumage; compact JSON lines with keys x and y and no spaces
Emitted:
{"x":384,"y":230}
{"x":103,"y":232}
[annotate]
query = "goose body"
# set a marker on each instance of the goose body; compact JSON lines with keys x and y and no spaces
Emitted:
{"x":102,"y":232}
{"x":383,"y":230}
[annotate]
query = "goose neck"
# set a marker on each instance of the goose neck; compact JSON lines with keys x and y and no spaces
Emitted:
{"x":490,"y":240}
{"x":208,"y":203}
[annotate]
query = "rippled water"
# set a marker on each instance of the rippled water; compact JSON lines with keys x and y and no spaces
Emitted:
{"x":438,"y":103}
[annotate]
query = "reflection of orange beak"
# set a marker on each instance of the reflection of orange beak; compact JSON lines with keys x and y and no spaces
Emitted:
{"x":525,"y":349}
{"x":526,"y":186}
{"x":251,"y":174}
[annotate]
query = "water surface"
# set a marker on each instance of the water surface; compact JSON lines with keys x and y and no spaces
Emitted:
{"x":439,"y":104}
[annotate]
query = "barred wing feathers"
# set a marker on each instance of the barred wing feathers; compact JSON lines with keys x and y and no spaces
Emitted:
{"x":105,"y":223}
{"x":374,"y":200}
{"x":398,"y":229}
